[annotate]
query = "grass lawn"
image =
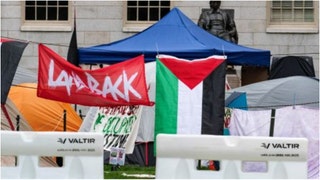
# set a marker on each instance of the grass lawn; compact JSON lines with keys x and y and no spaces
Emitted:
{"x":129,"y":172}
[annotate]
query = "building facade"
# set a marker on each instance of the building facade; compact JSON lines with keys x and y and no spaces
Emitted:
{"x":283,"y":27}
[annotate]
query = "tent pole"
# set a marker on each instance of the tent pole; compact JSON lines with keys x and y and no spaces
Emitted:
{"x":80,"y":114}
{"x":273,"y":113}
{"x":59,"y":159}
{"x":147,"y":153}
{"x":64,"y":120}
{"x":18,"y":123}
{"x":17,"y":129}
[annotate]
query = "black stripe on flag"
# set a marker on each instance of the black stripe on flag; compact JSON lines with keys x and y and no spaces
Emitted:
{"x":11,"y":52}
{"x":213,"y":101}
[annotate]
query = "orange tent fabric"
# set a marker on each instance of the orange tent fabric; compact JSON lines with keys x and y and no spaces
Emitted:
{"x":43,"y":114}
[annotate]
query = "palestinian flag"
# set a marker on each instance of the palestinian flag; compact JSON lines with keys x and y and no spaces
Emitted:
{"x":190,"y":95}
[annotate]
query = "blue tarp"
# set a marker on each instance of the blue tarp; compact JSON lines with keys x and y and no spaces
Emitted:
{"x":177,"y":35}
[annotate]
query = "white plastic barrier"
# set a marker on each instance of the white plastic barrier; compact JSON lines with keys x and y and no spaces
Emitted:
{"x":177,"y":156}
{"x":82,"y":154}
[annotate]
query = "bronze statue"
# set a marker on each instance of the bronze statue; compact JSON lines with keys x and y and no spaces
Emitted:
{"x":219,"y":23}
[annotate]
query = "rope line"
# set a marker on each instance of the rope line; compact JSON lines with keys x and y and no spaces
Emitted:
{"x":278,"y":106}
{"x":35,"y":42}
{"x":237,"y":107}
{"x":23,"y":86}
{"x":67,"y":45}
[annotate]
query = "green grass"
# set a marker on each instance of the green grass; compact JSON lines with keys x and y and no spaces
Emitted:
{"x":129,"y":172}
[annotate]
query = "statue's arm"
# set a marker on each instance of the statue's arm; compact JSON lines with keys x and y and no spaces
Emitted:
{"x":231,"y":27}
{"x":202,"y":22}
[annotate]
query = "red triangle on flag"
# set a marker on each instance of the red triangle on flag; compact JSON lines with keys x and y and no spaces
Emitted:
{"x":191,"y":72}
{"x":4,"y":40}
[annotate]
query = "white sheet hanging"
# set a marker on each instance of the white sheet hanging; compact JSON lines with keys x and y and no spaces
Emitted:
{"x":295,"y":121}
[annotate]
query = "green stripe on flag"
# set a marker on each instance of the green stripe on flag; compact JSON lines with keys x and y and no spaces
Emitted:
{"x":166,"y":108}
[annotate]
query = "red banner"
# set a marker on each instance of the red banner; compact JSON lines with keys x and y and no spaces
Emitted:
{"x":119,"y":84}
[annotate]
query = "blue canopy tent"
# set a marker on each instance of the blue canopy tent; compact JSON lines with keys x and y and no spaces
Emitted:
{"x":177,"y":35}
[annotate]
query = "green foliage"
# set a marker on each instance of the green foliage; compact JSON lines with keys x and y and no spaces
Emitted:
{"x":129,"y":172}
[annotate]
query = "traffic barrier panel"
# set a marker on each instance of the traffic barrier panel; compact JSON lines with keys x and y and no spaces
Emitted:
{"x":178,"y":155}
{"x":82,"y":154}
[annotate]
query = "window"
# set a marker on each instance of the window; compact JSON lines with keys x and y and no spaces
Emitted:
{"x":293,"y":16}
{"x":141,"y":14}
{"x":46,"y":15}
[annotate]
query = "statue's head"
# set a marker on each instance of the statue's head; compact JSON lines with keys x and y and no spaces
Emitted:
{"x":215,"y":4}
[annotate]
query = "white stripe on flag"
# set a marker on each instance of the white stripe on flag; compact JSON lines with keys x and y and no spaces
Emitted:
{"x":189,"y":109}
